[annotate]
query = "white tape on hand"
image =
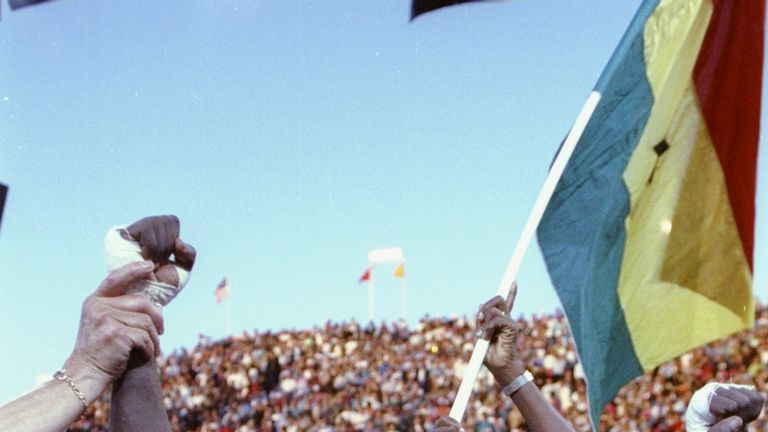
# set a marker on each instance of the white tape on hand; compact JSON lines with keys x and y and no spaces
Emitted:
{"x":119,"y":251}
{"x":697,"y":417}
{"x":183,"y":276}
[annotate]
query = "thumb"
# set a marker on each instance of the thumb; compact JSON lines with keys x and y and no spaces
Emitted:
{"x":731,"y":424}
{"x":511,"y":297}
{"x":185,"y":254}
{"x":121,"y":278}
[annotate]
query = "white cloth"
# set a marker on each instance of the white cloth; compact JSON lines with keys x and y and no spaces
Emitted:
{"x":119,"y":251}
{"x":697,"y":417}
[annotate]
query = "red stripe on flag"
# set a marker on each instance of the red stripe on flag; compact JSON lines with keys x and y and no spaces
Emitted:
{"x":728,"y":77}
{"x":222,"y":291}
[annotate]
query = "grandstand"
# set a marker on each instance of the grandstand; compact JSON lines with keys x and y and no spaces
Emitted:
{"x":353,"y":377}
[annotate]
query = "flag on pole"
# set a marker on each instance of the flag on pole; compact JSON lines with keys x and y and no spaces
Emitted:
{"x":648,"y":236}
{"x":400,"y":271}
{"x":366,"y":276}
{"x":222,"y":291}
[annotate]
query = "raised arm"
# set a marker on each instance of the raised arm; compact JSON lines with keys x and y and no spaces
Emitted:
{"x":137,"y":399}
{"x":720,"y":407}
{"x":506,"y":367}
{"x":111,"y":326}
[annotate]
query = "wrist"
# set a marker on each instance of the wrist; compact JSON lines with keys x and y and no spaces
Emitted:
{"x":508,"y":373}
{"x":86,"y":379}
{"x":61,"y":375}
{"x":512,"y":388}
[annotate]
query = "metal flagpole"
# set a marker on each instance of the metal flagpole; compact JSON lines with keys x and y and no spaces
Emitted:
{"x":555,"y":172}
{"x":371,"y":298}
{"x":376,"y":257}
{"x":229,"y":316}
{"x":403,"y":300}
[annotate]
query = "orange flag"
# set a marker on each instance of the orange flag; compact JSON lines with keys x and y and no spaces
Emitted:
{"x":400,"y":271}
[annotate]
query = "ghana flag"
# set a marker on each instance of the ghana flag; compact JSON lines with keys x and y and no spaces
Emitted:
{"x":648,"y":237}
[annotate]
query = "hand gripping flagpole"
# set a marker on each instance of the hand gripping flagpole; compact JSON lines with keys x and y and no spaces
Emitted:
{"x":481,"y":346}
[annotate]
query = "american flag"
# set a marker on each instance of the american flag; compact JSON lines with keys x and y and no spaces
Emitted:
{"x":222,"y":291}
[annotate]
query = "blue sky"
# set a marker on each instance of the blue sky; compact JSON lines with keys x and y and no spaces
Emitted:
{"x":290,"y":138}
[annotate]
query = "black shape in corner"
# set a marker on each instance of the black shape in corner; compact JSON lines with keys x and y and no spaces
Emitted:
{"x":18,"y":4}
{"x":419,"y":7}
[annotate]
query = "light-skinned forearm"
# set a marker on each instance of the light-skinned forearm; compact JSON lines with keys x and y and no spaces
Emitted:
{"x":52,"y":407}
{"x":539,"y":414}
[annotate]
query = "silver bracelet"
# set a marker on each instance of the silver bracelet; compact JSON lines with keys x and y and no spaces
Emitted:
{"x":61,"y":375}
{"x":518,"y":382}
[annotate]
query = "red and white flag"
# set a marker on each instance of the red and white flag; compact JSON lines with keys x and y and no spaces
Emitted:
{"x":222,"y":291}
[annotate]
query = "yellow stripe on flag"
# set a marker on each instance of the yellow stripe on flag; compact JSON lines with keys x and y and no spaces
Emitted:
{"x":674,"y":268}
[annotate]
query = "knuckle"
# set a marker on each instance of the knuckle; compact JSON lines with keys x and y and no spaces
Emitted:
{"x":112,"y":333}
{"x":145,"y":306}
{"x":143,"y":302}
{"x":145,"y":321}
{"x":148,"y":343}
{"x":89,"y":303}
{"x":135,"y":339}
{"x":98,"y":313}
{"x":101,"y":318}
{"x":111,"y":279}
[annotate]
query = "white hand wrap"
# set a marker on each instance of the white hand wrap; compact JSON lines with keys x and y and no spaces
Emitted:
{"x":119,"y":251}
{"x":697,"y":417}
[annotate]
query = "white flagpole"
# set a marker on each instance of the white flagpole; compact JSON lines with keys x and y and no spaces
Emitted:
{"x":555,"y":172}
{"x":371,"y":298}
{"x":403,"y":300}
{"x":229,"y":316}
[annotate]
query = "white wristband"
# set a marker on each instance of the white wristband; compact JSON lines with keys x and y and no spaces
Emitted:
{"x":120,"y":251}
{"x":515,"y":385}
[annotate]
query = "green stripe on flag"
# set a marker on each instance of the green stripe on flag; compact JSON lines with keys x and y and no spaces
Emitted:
{"x":582,"y":234}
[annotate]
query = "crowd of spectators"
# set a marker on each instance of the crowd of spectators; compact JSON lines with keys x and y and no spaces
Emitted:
{"x":353,"y":377}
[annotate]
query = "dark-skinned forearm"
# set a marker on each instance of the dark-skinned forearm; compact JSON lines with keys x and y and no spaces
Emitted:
{"x":539,"y":414}
{"x":137,"y":399}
